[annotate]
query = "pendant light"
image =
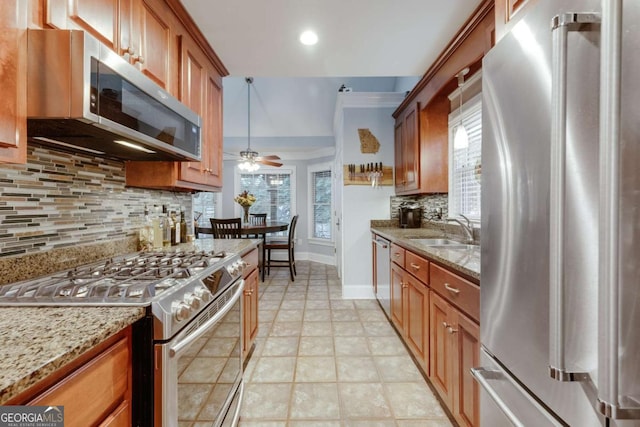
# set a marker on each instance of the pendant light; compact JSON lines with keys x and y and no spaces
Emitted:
{"x":248,"y":156}
{"x":461,"y":137}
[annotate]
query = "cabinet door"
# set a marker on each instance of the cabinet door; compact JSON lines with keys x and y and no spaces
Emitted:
{"x":212,"y":149}
{"x":193,"y":77}
{"x":250,"y":314}
{"x":97,"y":17}
{"x":416,"y":323}
{"x":399,"y":155}
{"x":13,"y":82}
{"x":397,"y":287}
{"x":156,"y":42}
{"x":411,"y":149}
{"x":441,"y":351}
{"x":466,"y":335}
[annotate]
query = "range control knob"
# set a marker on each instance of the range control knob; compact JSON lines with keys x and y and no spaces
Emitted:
{"x":203,"y":294}
{"x":181,"y":311}
{"x":192,"y":301}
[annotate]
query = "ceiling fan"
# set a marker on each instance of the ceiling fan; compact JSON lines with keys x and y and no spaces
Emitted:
{"x":249,"y":159}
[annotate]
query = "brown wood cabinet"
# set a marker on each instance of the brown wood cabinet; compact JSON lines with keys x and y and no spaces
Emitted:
{"x":94,"y":390}
{"x":508,"y":12}
{"x":410,"y":306}
{"x":250,"y":301}
{"x":158,"y":44}
{"x":455,"y":343}
{"x":407,"y":150}
{"x":421,"y":127}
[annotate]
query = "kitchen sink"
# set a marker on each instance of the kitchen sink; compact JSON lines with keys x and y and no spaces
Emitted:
{"x":456,"y":246}
{"x":438,"y":242}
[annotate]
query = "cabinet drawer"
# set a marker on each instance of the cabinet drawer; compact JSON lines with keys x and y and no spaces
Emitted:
{"x":460,"y":292}
{"x":417,"y":266}
{"x":397,"y":254}
{"x":251,"y":259}
{"x":89,"y":393}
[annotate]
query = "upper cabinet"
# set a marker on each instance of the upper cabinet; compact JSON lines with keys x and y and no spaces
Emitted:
{"x":508,"y":12}
{"x":160,"y":39}
{"x":421,"y":133}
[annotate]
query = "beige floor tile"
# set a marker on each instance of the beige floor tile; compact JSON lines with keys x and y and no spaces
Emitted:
{"x":266,"y":401}
{"x":317,"y":303}
{"x":285,"y":315}
{"x":398,"y":369}
{"x":286,"y":329}
{"x":315,"y":400}
{"x":386,"y":346}
{"x":267,"y":315}
{"x":274,"y":370}
{"x":424,"y":423}
{"x":317,"y":329}
{"x":314,"y":424}
{"x":338,"y":315}
{"x":292,"y":304}
{"x":364,"y":400}
{"x":342,"y":304}
{"x":348,"y":329}
{"x":369,"y":423}
{"x":280,"y":346}
{"x":356,"y":369}
{"x":379,"y":329}
{"x":315,"y":369}
{"x":351,"y":346}
{"x":317,"y":315}
{"x":373,"y":315}
{"x":257,"y":424}
{"x":267,"y":304}
{"x":413,"y":400}
{"x":315,"y":346}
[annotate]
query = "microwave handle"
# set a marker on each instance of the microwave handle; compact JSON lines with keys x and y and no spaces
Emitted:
{"x":180,"y":346}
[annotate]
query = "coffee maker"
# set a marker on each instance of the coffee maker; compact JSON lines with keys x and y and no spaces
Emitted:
{"x":410,"y":215}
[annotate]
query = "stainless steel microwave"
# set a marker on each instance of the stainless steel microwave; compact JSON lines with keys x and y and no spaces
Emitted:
{"x":83,"y":97}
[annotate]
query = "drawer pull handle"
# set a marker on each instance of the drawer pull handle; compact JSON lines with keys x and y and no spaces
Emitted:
{"x":451,"y":330}
{"x":445,"y":325}
{"x":451,"y":289}
{"x":396,"y":255}
{"x":415,"y":266}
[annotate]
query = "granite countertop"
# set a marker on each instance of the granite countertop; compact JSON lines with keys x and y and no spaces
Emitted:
{"x":36,"y":341}
{"x":463,"y":261}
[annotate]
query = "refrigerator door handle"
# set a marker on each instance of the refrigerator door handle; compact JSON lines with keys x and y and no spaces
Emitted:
{"x":611,"y":401}
{"x":560,"y":27}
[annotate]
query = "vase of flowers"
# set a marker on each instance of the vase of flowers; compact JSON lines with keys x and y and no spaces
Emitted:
{"x":245,"y":199}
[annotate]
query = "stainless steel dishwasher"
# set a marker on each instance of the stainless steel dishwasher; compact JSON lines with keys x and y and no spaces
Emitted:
{"x":382,"y":276}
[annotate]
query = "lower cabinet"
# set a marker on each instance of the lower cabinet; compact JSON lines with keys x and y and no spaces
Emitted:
{"x":455,"y":349}
{"x":250,"y":302}
{"x":95,"y":390}
{"x":436,"y":312}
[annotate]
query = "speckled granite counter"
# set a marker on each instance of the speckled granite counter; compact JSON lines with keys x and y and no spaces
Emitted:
{"x":36,"y":341}
{"x":463,"y":261}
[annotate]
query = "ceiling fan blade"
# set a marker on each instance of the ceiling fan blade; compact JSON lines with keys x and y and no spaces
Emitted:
{"x":270,"y":157}
{"x":269,"y":163}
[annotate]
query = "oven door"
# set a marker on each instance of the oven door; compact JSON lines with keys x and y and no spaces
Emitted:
{"x":198,"y":373}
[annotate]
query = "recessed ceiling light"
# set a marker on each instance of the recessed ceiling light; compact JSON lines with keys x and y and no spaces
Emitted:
{"x":308,"y":38}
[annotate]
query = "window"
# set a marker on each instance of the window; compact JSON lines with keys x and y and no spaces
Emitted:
{"x":204,"y":207}
{"x":274,"y":190}
{"x":465,"y":163}
{"x":320,"y":193}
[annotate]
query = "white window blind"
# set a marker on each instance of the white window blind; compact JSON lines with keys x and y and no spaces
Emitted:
{"x":465,"y":163}
{"x":321,"y":204}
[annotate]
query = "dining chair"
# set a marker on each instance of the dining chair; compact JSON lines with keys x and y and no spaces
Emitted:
{"x":228,"y":228}
{"x":198,"y":231}
{"x":282,"y":245}
{"x":257,"y":219}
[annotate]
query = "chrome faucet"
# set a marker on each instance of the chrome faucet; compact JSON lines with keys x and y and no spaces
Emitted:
{"x":467,"y":228}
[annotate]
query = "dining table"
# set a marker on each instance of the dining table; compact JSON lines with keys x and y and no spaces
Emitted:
{"x":253,"y":229}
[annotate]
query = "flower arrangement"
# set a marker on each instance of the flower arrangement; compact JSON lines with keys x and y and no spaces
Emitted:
{"x":245,"y":199}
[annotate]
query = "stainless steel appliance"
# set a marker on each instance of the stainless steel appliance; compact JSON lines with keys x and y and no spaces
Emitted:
{"x":410,"y":215}
{"x":83,"y":96}
{"x":188,"y":359}
{"x":382,"y":274}
{"x":560,"y":223}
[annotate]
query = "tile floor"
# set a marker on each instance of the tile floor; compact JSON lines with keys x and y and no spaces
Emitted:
{"x":323,"y":361}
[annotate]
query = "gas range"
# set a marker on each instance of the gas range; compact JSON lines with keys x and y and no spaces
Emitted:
{"x":176,"y":285}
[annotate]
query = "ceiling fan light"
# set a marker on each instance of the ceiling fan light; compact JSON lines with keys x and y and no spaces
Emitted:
{"x":248,"y":166}
{"x":308,"y":38}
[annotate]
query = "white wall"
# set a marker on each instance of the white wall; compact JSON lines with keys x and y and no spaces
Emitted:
{"x":361,"y":204}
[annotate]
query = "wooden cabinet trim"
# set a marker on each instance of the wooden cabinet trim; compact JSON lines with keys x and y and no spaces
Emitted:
{"x":397,"y":254}
{"x":458,"y":291}
{"x":417,"y":266}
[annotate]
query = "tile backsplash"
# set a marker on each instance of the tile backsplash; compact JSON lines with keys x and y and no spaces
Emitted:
{"x":59,"y":199}
{"x":434,"y":206}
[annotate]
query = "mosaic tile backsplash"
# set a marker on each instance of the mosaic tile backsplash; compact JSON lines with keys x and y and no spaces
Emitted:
{"x":435,"y":207}
{"x":59,"y":199}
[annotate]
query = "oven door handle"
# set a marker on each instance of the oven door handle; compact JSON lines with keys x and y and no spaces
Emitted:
{"x":181,"y":345}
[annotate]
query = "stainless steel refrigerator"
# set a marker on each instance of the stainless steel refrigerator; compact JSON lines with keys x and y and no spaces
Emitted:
{"x":560,"y":283}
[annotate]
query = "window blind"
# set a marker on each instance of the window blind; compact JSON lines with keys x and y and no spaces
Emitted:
{"x":272,"y":192}
{"x":321,"y":202}
{"x":466,"y":163}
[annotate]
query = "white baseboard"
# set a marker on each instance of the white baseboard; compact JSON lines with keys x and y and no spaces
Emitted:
{"x":309,"y":256}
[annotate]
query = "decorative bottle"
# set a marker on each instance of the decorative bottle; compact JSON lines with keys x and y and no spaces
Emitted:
{"x":157,"y":227}
{"x":166,"y":227}
{"x":183,"y":228}
{"x":145,"y":234}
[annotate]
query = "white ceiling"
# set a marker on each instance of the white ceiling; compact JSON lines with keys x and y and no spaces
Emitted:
{"x":357,"y":37}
